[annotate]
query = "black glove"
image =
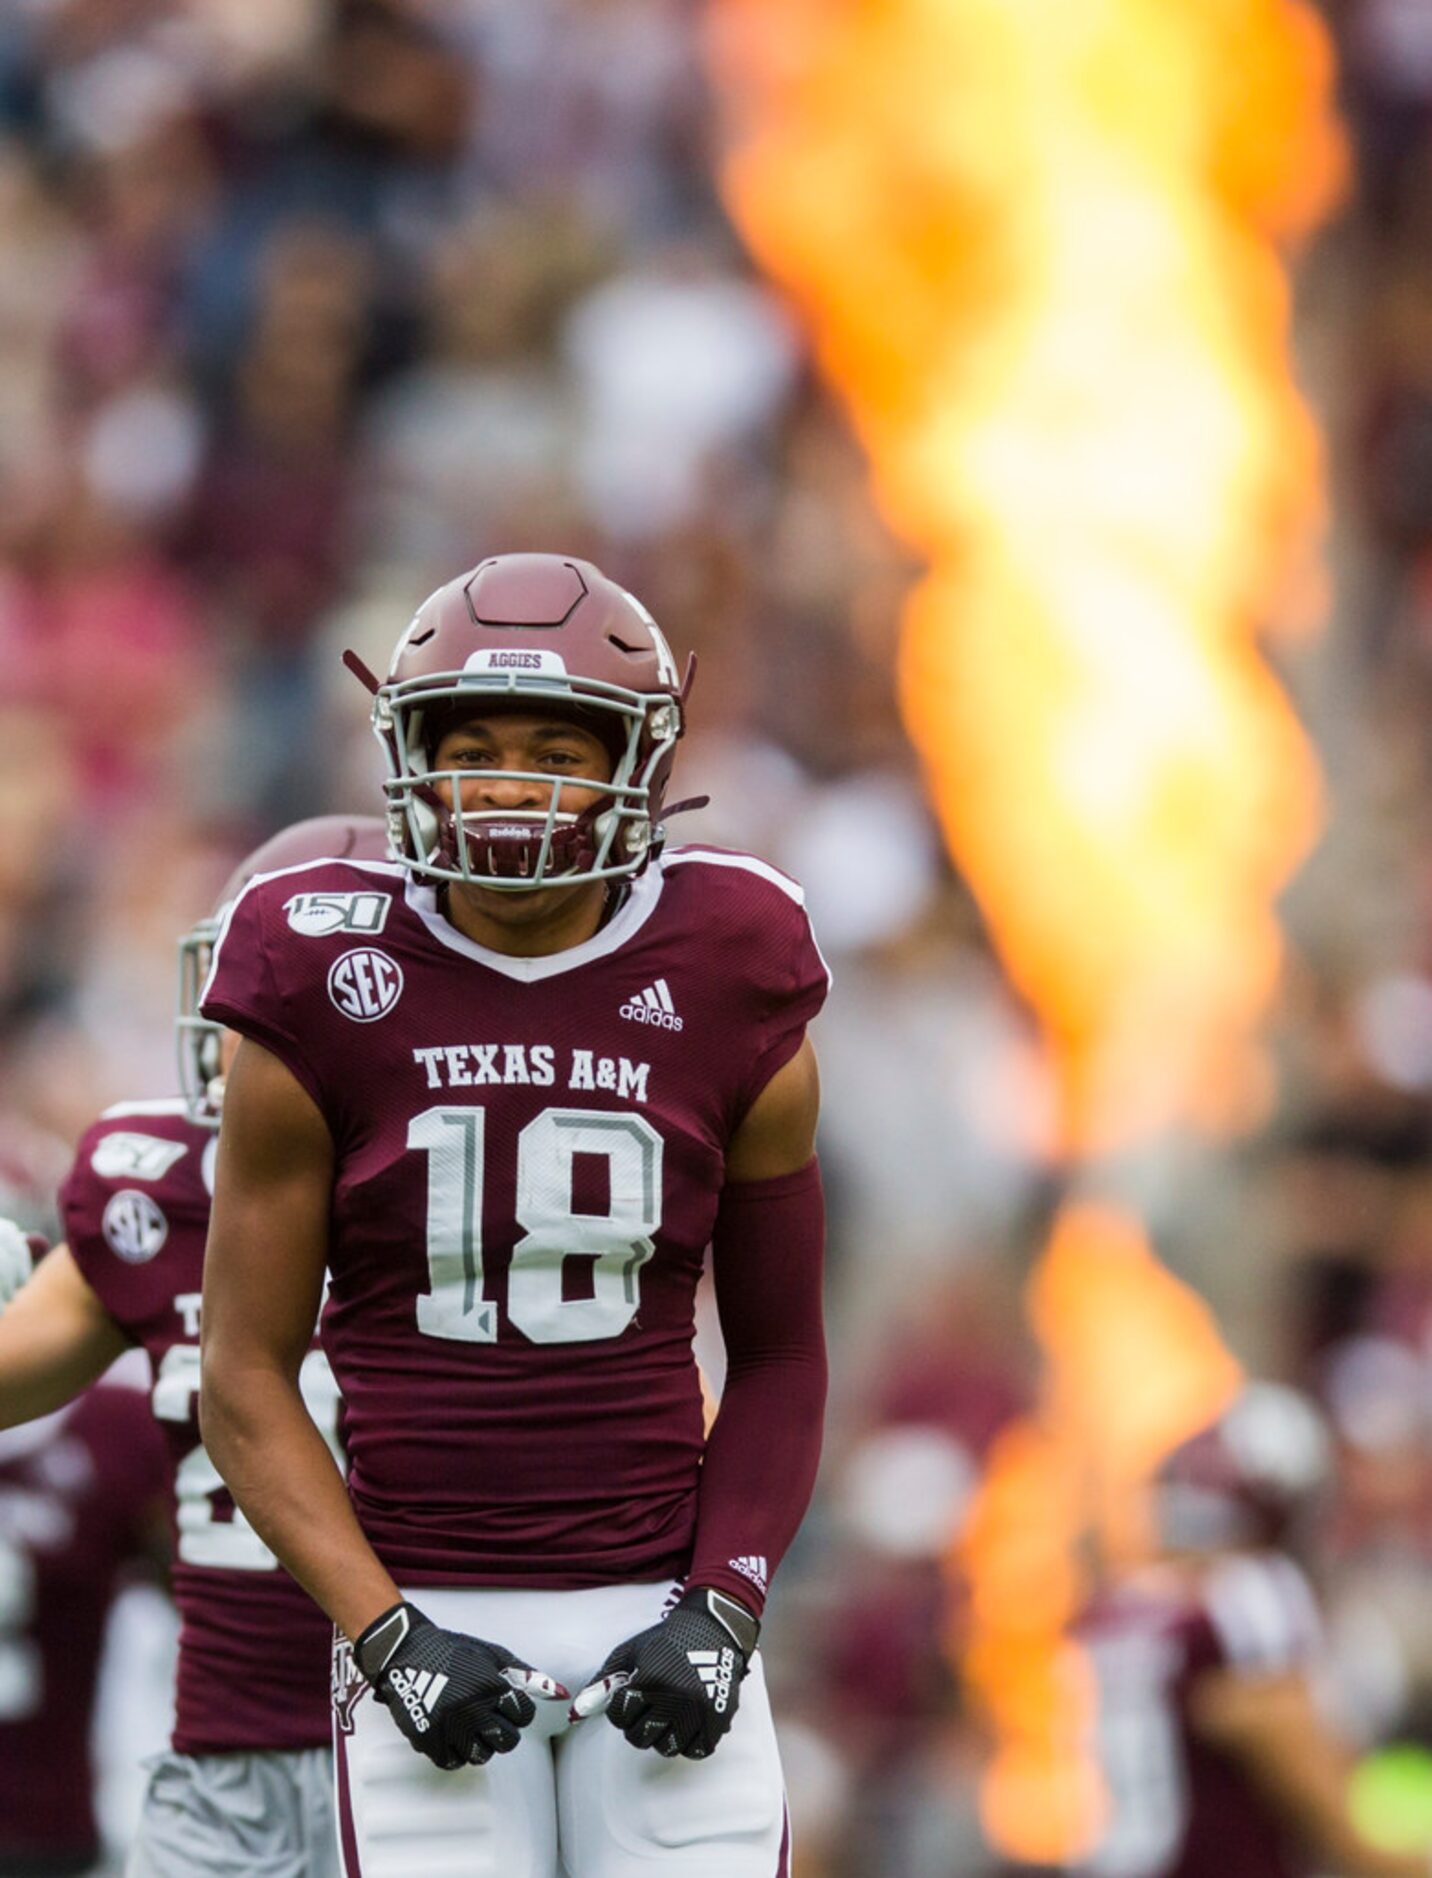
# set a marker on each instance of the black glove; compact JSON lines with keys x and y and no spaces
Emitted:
{"x":457,"y":1699}
{"x":676,"y":1687}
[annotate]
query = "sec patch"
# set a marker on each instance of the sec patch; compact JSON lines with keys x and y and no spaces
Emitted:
{"x":134,"y":1226}
{"x":365,"y":984}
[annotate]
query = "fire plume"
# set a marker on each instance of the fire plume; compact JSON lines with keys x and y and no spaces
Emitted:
{"x":1039,"y":249}
{"x":1035,"y":246}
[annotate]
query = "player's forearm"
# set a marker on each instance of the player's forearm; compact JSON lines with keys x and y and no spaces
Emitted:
{"x":1338,"y":1845}
{"x":55,"y":1340}
{"x":761,"y":1459}
{"x":1305,"y":1770}
{"x":1335,"y":1840}
{"x":36,"y":1382}
{"x":282,"y":1475}
{"x":757,"y":1476}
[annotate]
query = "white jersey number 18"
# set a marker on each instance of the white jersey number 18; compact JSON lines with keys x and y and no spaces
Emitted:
{"x":616,"y":1243}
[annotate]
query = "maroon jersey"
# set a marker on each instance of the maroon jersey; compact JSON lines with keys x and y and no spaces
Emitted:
{"x":253,"y":1648}
{"x":80,"y":1493}
{"x":529,"y":1157}
{"x":1179,"y":1807}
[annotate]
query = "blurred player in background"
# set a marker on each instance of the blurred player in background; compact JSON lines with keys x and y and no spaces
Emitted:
{"x":81,"y":1502}
{"x":1217,"y":1758}
{"x":508,"y":1091}
{"x":248,"y":1785}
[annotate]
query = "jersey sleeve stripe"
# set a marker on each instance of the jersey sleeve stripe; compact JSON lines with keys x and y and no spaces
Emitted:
{"x":792,"y":889}
{"x":157,"y":1105}
{"x":219,"y":937}
{"x":390,"y":869}
{"x":748,"y":863}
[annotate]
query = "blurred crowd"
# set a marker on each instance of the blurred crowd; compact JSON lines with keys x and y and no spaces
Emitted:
{"x":305,"y":305}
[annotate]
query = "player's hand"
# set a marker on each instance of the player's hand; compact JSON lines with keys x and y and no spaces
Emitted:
{"x":457,"y":1699}
{"x":19,"y":1254}
{"x":676,"y":1687}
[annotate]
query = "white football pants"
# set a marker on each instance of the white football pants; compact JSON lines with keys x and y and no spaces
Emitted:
{"x":572,"y":1800}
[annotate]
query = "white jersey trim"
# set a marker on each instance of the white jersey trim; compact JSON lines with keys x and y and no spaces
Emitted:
{"x":390,"y":868}
{"x":792,"y":889}
{"x":636,"y":910}
{"x":156,"y":1105}
{"x":640,"y":904}
{"x":25,"y":1437}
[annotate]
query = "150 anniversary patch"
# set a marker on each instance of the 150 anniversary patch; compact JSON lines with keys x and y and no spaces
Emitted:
{"x":316,"y":915}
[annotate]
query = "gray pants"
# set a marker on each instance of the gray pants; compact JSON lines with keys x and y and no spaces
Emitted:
{"x":238,"y":1816}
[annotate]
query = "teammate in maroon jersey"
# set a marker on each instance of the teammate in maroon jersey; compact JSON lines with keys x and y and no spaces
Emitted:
{"x":508,"y":1091}
{"x":81,"y":1501}
{"x":1216,"y":1757}
{"x":248,"y":1784}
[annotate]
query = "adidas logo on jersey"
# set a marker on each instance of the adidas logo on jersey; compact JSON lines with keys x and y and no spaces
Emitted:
{"x":418,"y":1691}
{"x":717,"y":1670}
{"x":752,"y":1566}
{"x":653,"y":1006}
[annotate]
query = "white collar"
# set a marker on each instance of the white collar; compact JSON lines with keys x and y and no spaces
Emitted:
{"x":624,"y":924}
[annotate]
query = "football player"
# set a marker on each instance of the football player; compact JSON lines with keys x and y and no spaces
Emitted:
{"x":81,"y":1494}
{"x":248,"y":1785}
{"x":508,"y":1099}
{"x":1216,"y":1756}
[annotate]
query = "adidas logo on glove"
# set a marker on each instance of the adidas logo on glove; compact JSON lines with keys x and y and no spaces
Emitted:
{"x":717,"y":1670}
{"x":418,"y":1691}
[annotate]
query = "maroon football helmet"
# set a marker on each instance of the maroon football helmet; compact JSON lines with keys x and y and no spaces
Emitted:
{"x":321,"y":838}
{"x":1247,"y":1478}
{"x":534,"y":632}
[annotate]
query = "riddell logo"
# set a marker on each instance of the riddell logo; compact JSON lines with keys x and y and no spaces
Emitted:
{"x":653,"y":1006}
{"x":717,"y":1670}
{"x":418,"y":1691}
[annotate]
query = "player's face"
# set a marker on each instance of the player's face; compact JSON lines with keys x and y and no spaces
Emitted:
{"x":549,"y":745}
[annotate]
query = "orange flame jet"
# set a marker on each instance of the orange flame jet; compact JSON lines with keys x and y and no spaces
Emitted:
{"x":1037,"y":245}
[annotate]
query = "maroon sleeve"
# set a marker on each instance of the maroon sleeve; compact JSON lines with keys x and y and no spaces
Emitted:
{"x":82,"y":1199}
{"x":119,"y":1282}
{"x":761,"y":1459}
{"x":243,"y":991}
{"x":135,"y":1208}
{"x":798,"y":989}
